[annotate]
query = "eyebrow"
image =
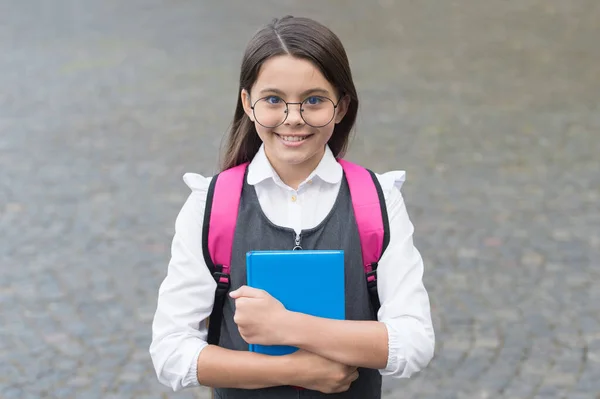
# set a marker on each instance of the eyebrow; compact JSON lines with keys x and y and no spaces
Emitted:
{"x":316,"y":90}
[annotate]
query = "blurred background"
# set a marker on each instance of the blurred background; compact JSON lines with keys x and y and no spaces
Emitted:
{"x":491,"y":107}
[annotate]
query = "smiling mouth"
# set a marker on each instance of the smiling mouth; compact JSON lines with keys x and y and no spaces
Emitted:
{"x":293,"y":139}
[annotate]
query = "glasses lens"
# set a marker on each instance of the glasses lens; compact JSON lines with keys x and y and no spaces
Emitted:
{"x":270,"y":111}
{"x":318,"y":111}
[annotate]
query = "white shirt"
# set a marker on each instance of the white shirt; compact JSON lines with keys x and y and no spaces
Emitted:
{"x":186,"y":295}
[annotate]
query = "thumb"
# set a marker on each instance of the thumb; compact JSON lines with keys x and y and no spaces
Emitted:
{"x":245,"y":291}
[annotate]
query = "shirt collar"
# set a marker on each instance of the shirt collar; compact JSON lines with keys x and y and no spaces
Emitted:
{"x":260,"y":169}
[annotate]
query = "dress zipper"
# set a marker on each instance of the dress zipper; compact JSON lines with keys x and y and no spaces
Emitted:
{"x":297,"y":242}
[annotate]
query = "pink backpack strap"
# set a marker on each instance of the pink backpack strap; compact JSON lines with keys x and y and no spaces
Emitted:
{"x":220,"y":217}
{"x":371,"y":217}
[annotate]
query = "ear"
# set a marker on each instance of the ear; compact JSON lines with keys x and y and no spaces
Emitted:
{"x":245,"y":97}
{"x":342,"y":108}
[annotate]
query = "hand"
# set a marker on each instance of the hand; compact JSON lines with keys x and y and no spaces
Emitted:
{"x":321,"y":374}
{"x":258,"y":316}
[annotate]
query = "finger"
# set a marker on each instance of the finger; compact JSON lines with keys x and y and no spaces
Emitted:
{"x":238,"y":316}
{"x":343,"y":388}
{"x":245,"y":291}
{"x":239,"y":292}
{"x":240,"y":302}
{"x":351,"y":369}
{"x":353,"y":376}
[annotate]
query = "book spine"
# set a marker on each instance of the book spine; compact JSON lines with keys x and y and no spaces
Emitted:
{"x":249,"y":282}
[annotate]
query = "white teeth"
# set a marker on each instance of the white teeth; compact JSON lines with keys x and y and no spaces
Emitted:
{"x":293,"y":138}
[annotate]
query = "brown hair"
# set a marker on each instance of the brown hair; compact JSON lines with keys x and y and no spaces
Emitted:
{"x":302,"y":38}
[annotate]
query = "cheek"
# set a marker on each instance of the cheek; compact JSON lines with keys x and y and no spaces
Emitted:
{"x":326,"y":132}
{"x":262,"y":131}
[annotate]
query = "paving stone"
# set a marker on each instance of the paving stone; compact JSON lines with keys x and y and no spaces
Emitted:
{"x":490,"y":107}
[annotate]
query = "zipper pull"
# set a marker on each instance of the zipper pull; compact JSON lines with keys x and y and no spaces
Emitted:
{"x":297,"y":242}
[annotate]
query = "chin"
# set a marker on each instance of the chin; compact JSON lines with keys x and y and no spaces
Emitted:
{"x":294,"y":159}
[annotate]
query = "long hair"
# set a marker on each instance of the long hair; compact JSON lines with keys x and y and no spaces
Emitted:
{"x":302,"y":38}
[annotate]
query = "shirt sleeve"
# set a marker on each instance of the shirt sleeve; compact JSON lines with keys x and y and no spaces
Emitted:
{"x":185,"y":297}
{"x":405,"y":308}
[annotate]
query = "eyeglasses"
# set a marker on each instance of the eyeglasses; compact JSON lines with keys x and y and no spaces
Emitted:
{"x":272,"y":111}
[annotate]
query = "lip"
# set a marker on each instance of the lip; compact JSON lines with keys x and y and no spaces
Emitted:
{"x":293,"y":143}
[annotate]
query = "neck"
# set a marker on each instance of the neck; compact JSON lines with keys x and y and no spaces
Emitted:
{"x":294,"y":174}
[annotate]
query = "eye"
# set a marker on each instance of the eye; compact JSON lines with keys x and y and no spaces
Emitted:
{"x":273,"y":100}
{"x":313,"y":100}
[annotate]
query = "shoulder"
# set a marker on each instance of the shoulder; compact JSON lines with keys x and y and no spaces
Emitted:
{"x":391,"y":182}
{"x":197,"y":182}
{"x":193,"y":208}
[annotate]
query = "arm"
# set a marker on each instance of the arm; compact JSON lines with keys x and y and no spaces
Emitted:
{"x":179,"y":351}
{"x":402,"y":341}
{"x":359,"y":343}
{"x":405,"y":307}
{"x":218,"y":367}
{"x":262,"y":319}
{"x":224,"y":368}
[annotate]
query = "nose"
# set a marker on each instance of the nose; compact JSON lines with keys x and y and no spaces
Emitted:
{"x":294,"y":115}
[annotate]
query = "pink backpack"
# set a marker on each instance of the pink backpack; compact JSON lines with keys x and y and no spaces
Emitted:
{"x":220,"y":218}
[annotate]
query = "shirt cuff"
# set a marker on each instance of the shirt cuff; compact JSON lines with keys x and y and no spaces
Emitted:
{"x":396,"y":361}
{"x":191,"y":378}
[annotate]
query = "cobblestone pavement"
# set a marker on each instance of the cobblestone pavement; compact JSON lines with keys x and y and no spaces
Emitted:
{"x":492,"y":108}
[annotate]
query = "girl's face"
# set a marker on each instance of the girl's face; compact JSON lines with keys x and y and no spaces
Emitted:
{"x":291,"y":142}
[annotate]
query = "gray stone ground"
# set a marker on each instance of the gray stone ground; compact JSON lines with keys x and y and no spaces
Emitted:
{"x":492,"y":108}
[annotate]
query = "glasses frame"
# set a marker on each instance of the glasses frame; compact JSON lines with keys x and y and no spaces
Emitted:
{"x":287,"y":108}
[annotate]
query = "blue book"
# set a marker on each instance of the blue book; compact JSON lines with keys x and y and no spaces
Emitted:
{"x":304,"y":281}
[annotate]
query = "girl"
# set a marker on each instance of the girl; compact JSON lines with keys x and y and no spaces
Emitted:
{"x":296,"y":108}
